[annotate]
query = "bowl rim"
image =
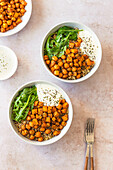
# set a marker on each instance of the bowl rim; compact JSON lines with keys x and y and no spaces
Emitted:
{"x":22,"y":24}
{"x":48,"y":142}
{"x":96,"y":65}
{"x":14,"y":56}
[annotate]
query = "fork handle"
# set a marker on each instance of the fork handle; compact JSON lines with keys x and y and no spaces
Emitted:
{"x":92,"y":162}
{"x":87,"y":156}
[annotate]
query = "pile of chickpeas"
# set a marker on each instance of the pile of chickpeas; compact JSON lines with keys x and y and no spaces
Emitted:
{"x":72,"y":65}
{"x":11,"y":12}
{"x":44,"y":122}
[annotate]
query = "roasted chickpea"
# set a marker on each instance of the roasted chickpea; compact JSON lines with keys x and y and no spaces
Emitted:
{"x":48,"y":131}
{"x":9,"y":22}
{"x":56,"y":72}
{"x":44,"y":125}
{"x":31,"y":137}
{"x":60,"y":75}
{"x":28,"y":126}
{"x":13,"y":19}
{"x":38,"y":134}
{"x":67,"y":51}
{"x":63,"y":57}
{"x":69,"y":69}
{"x":56,"y":67}
{"x":23,"y":127}
{"x":52,"y":63}
{"x":65,"y":76}
{"x":5,"y":25}
{"x":55,"y":133}
{"x":46,"y":57}
{"x":55,"y":58}
{"x":42,"y":129}
{"x":70,"y":74}
{"x":64,"y":71}
{"x":71,"y":64}
{"x":28,"y":118}
{"x":1,"y":16}
{"x":66,"y":65}
{"x":0,"y":22}
{"x":40,"y":139}
{"x":24,"y":132}
{"x":78,"y":76}
{"x":32,"y":116}
{"x":35,"y":121}
{"x":69,"y":59}
{"x":47,"y":62}
{"x":74,"y":69}
{"x":31,"y":124}
{"x":60,"y":63}
{"x":31,"y":132}
{"x":52,"y":69}
{"x":75,"y":74}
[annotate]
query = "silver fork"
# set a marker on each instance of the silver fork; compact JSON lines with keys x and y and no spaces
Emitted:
{"x":89,"y":138}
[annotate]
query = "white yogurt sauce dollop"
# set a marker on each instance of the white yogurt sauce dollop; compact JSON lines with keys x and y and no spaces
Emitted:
{"x":48,"y":94}
{"x":88,"y":45}
{"x":8,"y":63}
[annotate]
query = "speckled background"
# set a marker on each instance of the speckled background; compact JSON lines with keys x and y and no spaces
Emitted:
{"x":91,"y":98}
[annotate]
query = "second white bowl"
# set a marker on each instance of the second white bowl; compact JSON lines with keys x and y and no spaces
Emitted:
{"x":80,"y":26}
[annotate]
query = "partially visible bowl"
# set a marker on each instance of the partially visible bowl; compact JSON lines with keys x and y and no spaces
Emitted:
{"x":25,"y":20}
{"x":63,"y":131}
{"x":8,"y":62}
{"x":80,"y":26}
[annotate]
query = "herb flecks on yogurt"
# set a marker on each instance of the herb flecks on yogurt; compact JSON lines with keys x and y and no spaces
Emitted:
{"x":49,"y":95}
{"x":88,"y":45}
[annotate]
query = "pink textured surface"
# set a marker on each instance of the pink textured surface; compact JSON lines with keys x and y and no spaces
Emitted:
{"x":91,"y":98}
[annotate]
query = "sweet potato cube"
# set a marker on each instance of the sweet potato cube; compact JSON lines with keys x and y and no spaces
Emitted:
{"x":45,"y":108}
{"x":35,"y":103}
{"x":71,"y":45}
{"x":34,"y":111}
{"x":48,"y":119}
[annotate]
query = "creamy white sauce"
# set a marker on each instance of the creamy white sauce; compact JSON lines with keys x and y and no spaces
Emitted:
{"x":7,"y":63}
{"x":88,"y":45}
{"x":48,"y":94}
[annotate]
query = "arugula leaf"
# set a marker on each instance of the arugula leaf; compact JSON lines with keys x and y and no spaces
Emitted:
{"x":23,"y":103}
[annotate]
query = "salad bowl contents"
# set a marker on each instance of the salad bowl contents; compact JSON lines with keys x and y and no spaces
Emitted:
{"x":71,"y":52}
{"x":40,"y":113}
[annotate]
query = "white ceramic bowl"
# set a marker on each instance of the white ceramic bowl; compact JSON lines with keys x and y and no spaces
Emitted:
{"x":80,"y":26}
{"x":10,"y":60}
{"x":25,"y":18}
{"x":64,"y":130}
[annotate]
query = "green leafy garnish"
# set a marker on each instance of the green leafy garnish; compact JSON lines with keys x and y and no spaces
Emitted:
{"x":58,"y":42}
{"x":23,"y":103}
